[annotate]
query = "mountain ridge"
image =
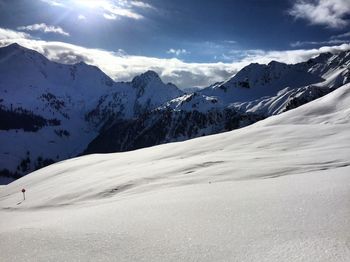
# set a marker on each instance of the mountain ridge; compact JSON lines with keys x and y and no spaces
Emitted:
{"x":70,"y":107}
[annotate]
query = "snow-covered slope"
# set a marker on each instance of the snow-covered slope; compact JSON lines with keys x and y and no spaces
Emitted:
{"x":277,"y":190}
{"x":284,"y":100}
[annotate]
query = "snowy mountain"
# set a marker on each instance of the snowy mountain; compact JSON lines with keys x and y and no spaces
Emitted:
{"x":254,"y":93}
{"x":277,"y":190}
{"x":50,"y":111}
{"x":255,"y":81}
{"x":258,"y":82}
{"x":150,"y":91}
{"x":165,"y":125}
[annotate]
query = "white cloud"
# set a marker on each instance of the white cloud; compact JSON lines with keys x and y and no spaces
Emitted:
{"x":328,"y":42}
{"x":81,"y":17}
{"x":332,"y":13}
{"x":123,"y":67}
{"x":109,"y":9}
{"x":11,"y":34}
{"x":292,"y":56}
{"x":141,"y":4}
{"x":110,"y":16}
{"x":345,"y":35}
{"x":44,"y":28}
{"x":116,"y":9}
{"x":231,"y":42}
{"x":177,"y":52}
{"x":53,"y":2}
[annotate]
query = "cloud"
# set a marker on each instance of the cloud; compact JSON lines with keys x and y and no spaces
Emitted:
{"x":141,"y":4}
{"x":123,"y":67}
{"x":113,"y":10}
{"x":230,"y":42}
{"x":44,"y":28}
{"x":329,"y":42}
{"x":110,"y":16}
{"x":53,"y":2}
{"x":177,"y":52}
{"x":331,"y":13}
{"x":344,"y":35}
{"x":81,"y":17}
{"x":11,"y":34}
{"x":109,"y":9}
{"x":292,"y":56}
{"x":238,"y":55}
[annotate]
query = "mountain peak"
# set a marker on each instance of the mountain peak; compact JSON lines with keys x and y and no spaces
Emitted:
{"x":15,"y":47}
{"x":149,"y":76}
{"x":146,"y":78}
{"x":20,"y":52}
{"x":275,"y":63}
{"x":321,"y":58}
{"x":12,"y":48}
{"x":81,"y":63}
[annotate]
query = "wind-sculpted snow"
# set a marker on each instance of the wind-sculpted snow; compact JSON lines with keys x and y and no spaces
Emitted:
{"x":277,"y":190}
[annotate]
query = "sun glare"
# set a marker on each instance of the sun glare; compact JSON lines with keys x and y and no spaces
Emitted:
{"x":90,"y":3}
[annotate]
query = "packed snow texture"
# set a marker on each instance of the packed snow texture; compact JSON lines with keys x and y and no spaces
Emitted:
{"x":278,"y":190}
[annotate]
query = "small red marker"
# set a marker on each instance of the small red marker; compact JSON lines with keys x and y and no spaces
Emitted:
{"x":24,"y":194}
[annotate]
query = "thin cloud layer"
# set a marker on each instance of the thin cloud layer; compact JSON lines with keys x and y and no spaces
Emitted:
{"x":331,"y":13}
{"x":109,"y":9}
{"x":123,"y":67}
{"x":177,"y":52}
{"x":44,"y":28}
{"x":329,"y":42}
{"x":81,"y":17}
{"x":344,"y":35}
{"x":11,"y":34}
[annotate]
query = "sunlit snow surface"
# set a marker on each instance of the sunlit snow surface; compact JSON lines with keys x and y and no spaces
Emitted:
{"x":278,"y":190}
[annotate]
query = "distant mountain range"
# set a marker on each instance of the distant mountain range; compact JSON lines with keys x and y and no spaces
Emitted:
{"x":50,"y":111}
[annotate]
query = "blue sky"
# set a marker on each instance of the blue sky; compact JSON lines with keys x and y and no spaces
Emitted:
{"x":191,"y":43}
